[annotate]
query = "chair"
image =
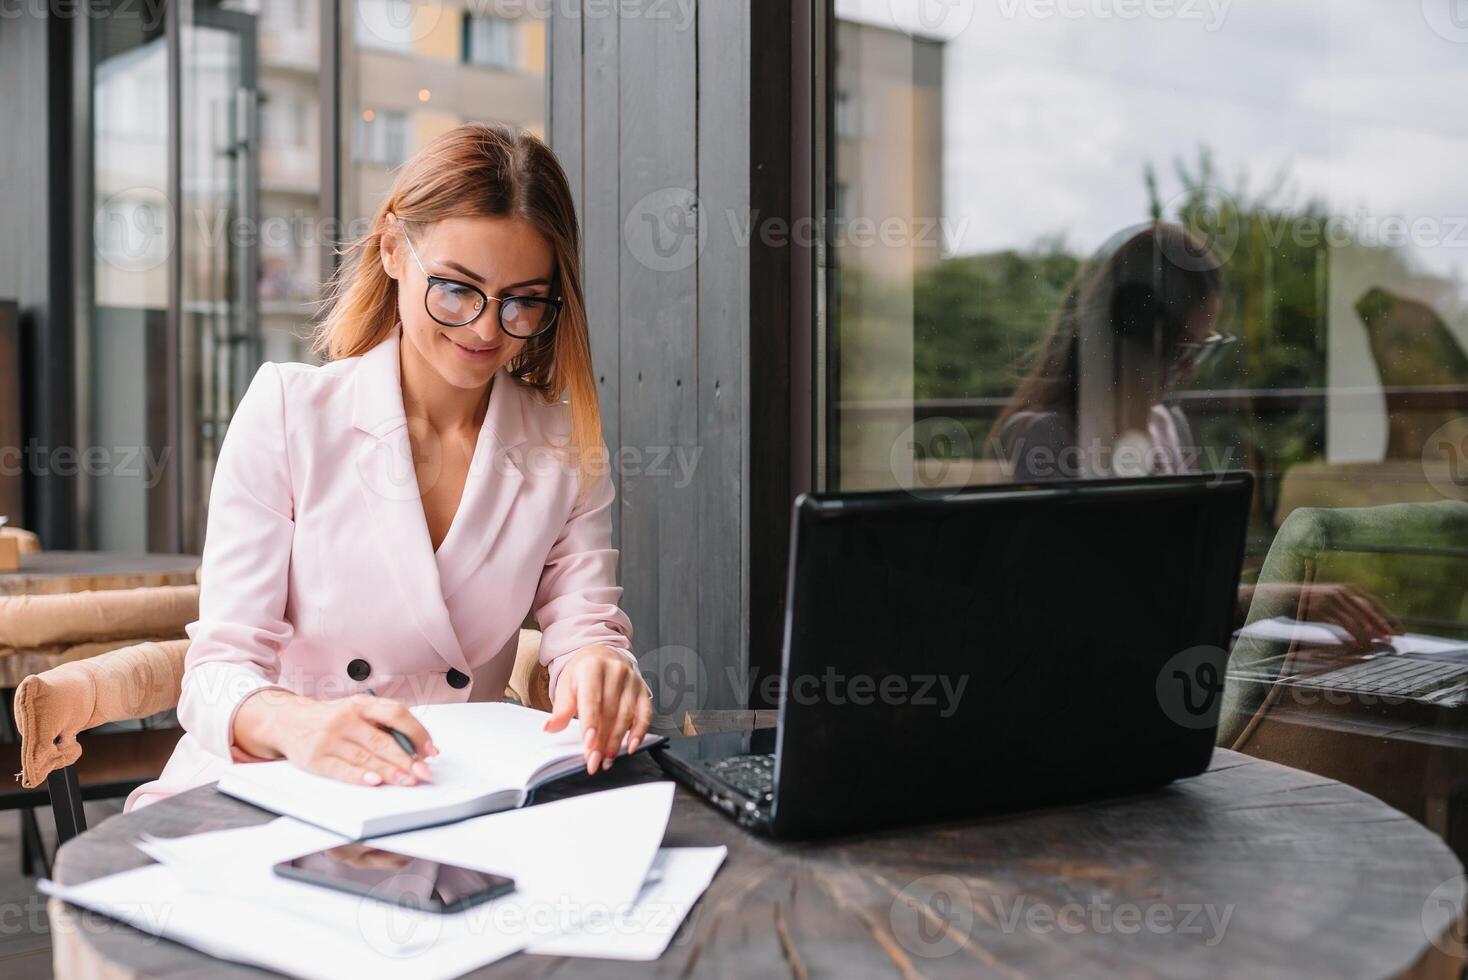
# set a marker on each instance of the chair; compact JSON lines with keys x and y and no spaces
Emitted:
{"x":55,"y":713}
{"x":1414,"y":556}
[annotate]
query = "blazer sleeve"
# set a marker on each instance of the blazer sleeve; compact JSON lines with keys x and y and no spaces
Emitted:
{"x":576,"y":603}
{"x":242,"y":626}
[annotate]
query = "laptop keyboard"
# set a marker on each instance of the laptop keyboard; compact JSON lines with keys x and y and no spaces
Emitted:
{"x":1389,"y":676}
{"x":752,"y":775}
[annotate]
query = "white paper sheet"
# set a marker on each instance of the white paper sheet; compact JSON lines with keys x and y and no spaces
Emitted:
{"x":642,"y":931}
{"x":218,"y":893}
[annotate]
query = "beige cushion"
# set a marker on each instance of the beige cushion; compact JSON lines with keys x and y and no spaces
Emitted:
{"x":53,"y":707}
{"x":32,"y":621}
{"x":530,"y":680}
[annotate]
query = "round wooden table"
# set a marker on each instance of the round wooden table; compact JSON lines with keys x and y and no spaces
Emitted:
{"x":1249,"y":870}
{"x":56,"y":572}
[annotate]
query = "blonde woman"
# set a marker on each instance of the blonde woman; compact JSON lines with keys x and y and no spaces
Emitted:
{"x":379,"y":526}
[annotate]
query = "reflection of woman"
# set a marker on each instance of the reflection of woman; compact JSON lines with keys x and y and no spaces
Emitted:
{"x":1137,"y":322}
{"x":380,"y":526}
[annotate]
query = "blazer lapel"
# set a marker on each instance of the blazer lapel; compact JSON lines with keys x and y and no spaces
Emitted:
{"x":495,"y":479}
{"x":384,"y":467}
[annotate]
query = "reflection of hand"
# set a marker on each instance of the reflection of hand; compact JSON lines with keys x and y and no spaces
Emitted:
{"x":368,"y":857}
{"x":1354,"y":610}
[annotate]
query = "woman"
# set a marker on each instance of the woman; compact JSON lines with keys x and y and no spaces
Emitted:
{"x":379,"y":526}
{"x":1144,"y":313}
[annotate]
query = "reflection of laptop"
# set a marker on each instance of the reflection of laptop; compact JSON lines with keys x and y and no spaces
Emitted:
{"x":997,"y":648}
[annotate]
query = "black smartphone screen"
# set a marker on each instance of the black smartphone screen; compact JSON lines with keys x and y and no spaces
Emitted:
{"x":397,"y":878}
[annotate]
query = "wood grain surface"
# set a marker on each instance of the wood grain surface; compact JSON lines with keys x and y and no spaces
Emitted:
{"x":1249,"y":870}
{"x":57,"y":572}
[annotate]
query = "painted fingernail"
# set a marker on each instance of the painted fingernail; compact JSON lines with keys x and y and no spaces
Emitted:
{"x":593,"y":762}
{"x":421,"y":770}
{"x":403,"y":779}
{"x":429,"y":748}
{"x":606,"y":765}
{"x":371,"y":779}
{"x":632,"y":745}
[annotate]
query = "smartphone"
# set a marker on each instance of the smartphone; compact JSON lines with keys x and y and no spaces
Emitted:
{"x":387,"y":876}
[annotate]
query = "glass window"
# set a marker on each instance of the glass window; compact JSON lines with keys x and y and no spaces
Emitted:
{"x":428,"y":80}
{"x":1076,"y":242}
{"x":489,"y":42}
{"x":382,"y":137}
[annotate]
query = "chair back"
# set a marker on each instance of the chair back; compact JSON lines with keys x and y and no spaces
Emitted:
{"x":30,"y":622}
{"x":53,"y":707}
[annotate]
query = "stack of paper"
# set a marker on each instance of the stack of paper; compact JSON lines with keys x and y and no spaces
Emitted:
{"x":589,"y":881}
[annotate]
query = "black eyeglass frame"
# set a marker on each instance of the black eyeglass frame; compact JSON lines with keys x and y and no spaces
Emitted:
{"x":554,"y":303}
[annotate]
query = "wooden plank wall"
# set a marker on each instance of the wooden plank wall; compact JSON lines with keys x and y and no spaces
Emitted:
{"x":649,"y":112}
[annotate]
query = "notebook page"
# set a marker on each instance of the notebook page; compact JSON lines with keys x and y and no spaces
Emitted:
{"x":505,"y":743}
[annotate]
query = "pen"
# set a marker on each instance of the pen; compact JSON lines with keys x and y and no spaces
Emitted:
{"x":404,"y":742}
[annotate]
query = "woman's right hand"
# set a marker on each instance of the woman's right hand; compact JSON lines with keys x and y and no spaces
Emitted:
{"x":343,"y":739}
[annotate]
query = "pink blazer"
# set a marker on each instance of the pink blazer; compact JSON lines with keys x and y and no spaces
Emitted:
{"x":319,"y":576}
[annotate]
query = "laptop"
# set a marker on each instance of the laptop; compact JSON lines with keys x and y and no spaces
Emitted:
{"x":997,"y":648}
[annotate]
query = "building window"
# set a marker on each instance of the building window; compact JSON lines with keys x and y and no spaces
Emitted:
{"x":845,"y":113}
{"x":386,"y":25}
{"x":381,"y":138}
{"x":489,"y":42}
{"x":284,"y":119}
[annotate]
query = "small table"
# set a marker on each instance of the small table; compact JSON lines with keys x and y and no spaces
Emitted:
{"x":1249,"y":869}
{"x":57,"y":572}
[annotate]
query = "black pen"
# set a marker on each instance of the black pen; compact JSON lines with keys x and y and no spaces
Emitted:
{"x":404,"y":742}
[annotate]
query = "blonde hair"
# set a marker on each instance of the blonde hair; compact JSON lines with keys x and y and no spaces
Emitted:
{"x":479,"y":170}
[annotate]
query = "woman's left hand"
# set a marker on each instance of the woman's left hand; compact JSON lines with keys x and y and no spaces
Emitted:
{"x":604,"y":690}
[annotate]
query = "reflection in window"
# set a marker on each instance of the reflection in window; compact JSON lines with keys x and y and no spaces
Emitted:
{"x":1169,"y":245}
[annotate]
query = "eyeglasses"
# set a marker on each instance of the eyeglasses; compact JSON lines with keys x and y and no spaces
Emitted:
{"x":458,"y":304}
{"x":1196,"y":353}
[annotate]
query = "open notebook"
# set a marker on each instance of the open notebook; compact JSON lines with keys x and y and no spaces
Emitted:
{"x":491,"y":756}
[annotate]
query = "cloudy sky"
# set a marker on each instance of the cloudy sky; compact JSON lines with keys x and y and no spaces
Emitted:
{"x":1053,"y":107}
